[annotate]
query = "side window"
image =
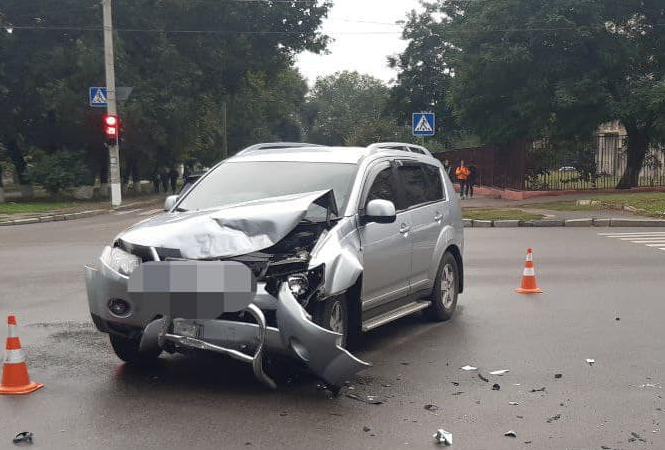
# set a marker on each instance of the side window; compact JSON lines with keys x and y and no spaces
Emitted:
{"x":382,"y":187}
{"x":415,"y":184}
{"x":435,"y":192}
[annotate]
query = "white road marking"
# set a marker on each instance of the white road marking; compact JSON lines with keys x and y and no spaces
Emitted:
{"x":651,"y":239}
{"x":151,"y":212}
{"x":122,"y":213}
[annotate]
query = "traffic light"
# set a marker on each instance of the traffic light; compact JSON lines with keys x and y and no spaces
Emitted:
{"x":111,"y":127}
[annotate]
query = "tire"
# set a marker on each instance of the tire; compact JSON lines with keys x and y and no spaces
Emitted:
{"x":333,"y":314}
{"x":128,"y":350}
{"x":445,"y":291}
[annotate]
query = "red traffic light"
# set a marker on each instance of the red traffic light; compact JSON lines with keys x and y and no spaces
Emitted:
{"x":111,"y":126}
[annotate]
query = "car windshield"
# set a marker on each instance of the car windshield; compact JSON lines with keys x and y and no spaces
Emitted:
{"x":237,"y":182}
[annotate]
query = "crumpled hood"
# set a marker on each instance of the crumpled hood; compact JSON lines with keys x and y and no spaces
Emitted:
{"x":228,"y":231}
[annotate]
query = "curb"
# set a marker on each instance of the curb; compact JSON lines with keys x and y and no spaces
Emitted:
{"x":569,"y":223}
{"x":56,"y":217}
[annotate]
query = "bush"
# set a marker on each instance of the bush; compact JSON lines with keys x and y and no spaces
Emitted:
{"x":59,"y":171}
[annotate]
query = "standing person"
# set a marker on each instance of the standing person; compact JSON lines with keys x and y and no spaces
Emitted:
{"x":462,"y":174}
{"x":448,"y":169}
{"x":471,"y":181}
{"x":164,"y":176}
{"x":156,"y":180}
{"x":173,"y":176}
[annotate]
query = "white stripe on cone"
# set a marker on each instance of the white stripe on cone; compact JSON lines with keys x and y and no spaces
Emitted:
{"x":12,"y":331}
{"x":529,"y":256}
{"x":529,"y":272}
{"x":14,"y":356}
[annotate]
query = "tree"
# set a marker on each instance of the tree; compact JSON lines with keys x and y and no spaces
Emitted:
{"x":339,"y":104}
{"x":184,"y":59}
{"x":527,"y":69}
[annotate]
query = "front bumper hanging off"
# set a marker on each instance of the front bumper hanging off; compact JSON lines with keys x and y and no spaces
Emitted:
{"x":175,"y":295}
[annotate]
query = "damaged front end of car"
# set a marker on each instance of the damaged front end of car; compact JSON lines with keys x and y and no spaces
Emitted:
{"x":241,"y":281}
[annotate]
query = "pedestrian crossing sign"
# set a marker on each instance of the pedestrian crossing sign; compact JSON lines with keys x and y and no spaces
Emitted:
{"x":424,"y":124}
{"x":98,"y":97}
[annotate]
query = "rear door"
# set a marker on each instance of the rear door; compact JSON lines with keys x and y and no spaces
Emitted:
{"x":425,"y":201}
{"x":386,"y":247}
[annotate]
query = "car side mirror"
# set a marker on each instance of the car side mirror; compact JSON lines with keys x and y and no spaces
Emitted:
{"x":380,"y":211}
{"x":170,"y":202}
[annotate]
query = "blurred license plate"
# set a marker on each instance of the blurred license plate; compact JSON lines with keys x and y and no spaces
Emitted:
{"x":187,"y":329}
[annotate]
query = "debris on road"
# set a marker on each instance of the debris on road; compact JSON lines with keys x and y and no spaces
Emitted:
{"x":554,"y":418}
{"x":367,"y":429}
{"x":486,"y":380}
{"x":590,"y":361}
{"x":499,"y":372}
{"x":496,"y":387}
{"x":468,"y":368}
{"x":23,"y":437}
{"x":370,"y":399}
{"x":558,"y":376}
{"x":538,"y":390}
{"x":637,"y":436}
{"x":443,"y":437}
{"x":457,"y":393}
{"x":455,"y":383}
{"x":510,"y":433}
{"x":432,"y":408}
{"x":513,"y":403}
{"x":618,"y":319}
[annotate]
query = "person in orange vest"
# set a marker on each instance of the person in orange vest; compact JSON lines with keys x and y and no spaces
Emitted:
{"x":462,"y":174}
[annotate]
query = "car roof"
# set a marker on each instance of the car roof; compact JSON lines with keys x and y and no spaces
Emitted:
{"x":345,"y":155}
{"x":325,"y":154}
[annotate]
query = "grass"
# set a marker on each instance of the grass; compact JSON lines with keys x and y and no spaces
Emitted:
{"x":499,"y":214}
{"x":652,"y":203}
{"x":32,"y":207}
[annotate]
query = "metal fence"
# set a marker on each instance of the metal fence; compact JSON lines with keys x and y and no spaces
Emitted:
{"x":541,"y":166}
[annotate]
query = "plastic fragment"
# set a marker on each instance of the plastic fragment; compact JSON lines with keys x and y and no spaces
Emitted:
{"x":513,"y":403}
{"x":553,"y":418}
{"x":443,"y":437}
{"x":538,"y":390}
{"x":590,"y":361}
{"x":510,"y":433}
{"x":432,"y":408}
{"x":468,"y":368}
{"x":480,"y":375}
{"x":500,"y":372}
{"x":371,"y":399}
{"x":496,"y":387}
{"x":24,"y":436}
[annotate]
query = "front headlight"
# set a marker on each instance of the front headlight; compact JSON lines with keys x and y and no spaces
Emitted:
{"x":120,"y":261}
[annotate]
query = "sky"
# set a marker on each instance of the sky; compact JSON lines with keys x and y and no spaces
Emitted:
{"x":366,"y":53}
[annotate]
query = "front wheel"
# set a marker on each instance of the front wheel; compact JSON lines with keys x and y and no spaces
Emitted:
{"x":128,"y":350}
{"x":445,"y":291}
{"x":333,"y":314}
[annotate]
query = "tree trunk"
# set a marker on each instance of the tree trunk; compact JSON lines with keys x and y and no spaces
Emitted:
{"x":21,"y":168}
{"x":638,"y":144}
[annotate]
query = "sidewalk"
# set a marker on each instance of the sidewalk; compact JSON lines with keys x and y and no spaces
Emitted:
{"x":81,"y":210}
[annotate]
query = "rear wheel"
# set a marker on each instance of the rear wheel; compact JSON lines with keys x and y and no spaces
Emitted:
{"x":128,"y":350}
{"x":445,"y":291}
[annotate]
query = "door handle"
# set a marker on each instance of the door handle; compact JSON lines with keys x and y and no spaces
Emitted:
{"x":404,"y":228}
{"x":438,"y":217}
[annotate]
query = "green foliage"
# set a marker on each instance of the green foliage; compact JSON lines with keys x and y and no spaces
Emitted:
{"x":60,"y":170}
{"x":527,"y":69}
{"x":180,"y":80}
{"x":348,"y":108}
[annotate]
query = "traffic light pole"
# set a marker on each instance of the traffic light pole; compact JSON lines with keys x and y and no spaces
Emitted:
{"x":114,"y":148}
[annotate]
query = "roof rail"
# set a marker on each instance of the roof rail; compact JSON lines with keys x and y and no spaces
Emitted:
{"x":275,"y":146}
{"x":399,"y":146}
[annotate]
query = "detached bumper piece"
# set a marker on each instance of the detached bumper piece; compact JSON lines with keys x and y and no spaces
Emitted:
{"x":200,"y":303}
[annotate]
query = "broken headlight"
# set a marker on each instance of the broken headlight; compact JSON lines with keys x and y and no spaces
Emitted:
{"x":120,"y":261}
{"x":303,"y":285}
{"x":298,"y":284}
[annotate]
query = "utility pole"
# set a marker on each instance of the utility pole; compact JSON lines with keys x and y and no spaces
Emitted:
{"x":114,"y":147}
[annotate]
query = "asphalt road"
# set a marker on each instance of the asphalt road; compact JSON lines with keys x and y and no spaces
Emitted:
{"x":91,"y":400}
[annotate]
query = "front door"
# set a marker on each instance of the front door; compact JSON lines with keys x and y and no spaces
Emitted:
{"x":386,"y":247}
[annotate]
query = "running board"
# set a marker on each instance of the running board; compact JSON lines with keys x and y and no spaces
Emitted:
{"x":395,"y":314}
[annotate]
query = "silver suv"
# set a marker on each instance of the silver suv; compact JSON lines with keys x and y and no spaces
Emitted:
{"x":286,"y":249}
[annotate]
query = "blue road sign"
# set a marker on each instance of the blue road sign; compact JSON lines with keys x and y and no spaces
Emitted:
{"x":424,"y":124}
{"x":97,"y":96}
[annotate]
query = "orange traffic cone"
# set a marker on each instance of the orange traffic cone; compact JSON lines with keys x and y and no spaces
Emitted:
{"x":15,"y":379}
{"x":529,"y":285}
